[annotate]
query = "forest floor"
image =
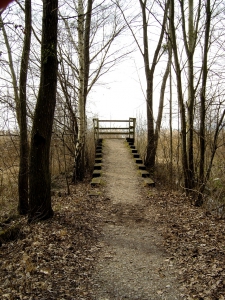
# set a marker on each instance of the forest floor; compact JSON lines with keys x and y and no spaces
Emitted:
{"x":127,"y":242}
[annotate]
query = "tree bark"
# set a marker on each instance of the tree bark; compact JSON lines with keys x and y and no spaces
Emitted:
{"x":202,"y":178}
{"x":40,"y":177}
{"x":149,"y":74}
{"x":84,"y":25}
{"x":24,"y":148}
{"x":180,"y":99}
{"x":162,"y":96}
{"x":190,"y":46}
{"x":12,"y":70}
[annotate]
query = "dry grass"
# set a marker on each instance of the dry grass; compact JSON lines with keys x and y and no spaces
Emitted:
{"x":169,"y":168}
{"x":8,"y":174}
{"x":61,"y":163}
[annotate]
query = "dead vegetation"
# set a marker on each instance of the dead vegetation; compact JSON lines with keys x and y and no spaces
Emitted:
{"x":194,"y":238}
{"x":55,"y":258}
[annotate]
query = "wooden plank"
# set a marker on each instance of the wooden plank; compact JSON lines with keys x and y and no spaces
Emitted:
{"x":98,"y":160}
{"x":116,"y":128}
{"x":97,"y":166}
{"x":96,"y":173}
{"x":144,"y":173}
{"x":95,"y":181}
{"x":141,"y":167}
{"x":138,"y":161}
{"x":93,"y":193}
{"x":113,"y":121}
{"x":149,"y":182}
{"x":116,"y":132}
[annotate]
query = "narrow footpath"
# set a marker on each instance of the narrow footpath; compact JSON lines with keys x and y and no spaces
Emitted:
{"x":132,"y":263}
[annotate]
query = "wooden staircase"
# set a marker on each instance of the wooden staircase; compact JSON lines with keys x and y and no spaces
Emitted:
{"x":142,"y":169}
{"x":96,"y":176}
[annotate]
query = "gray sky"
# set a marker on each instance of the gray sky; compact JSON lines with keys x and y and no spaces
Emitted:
{"x":122,"y":96}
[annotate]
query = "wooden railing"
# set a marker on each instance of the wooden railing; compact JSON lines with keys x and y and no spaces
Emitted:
{"x":126,"y":130}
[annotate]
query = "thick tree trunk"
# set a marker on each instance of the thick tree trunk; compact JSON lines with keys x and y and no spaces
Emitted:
{"x":24,"y":149}
{"x":40,"y":177}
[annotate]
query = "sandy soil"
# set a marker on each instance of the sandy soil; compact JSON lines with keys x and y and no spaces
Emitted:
{"x":132,"y":262}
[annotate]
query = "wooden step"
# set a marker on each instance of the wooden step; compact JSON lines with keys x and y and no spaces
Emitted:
{"x":149,"y":182}
{"x":138,"y":161}
{"x":98,"y":151}
{"x":93,"y":193}
{"x":130,"y":140}
{"x":134,"y":151}
{"x":144,"y":173}
{"x":96,"y":173}
{"x":98,"y":148}
{"x":141,"y":167}
{"x":136,"y":155}
{"x":132,"y":147}
{"x":98,"y":155}
{"x":98,"y":160}
{"x":97,"y":166}
{"x":95,"y":181}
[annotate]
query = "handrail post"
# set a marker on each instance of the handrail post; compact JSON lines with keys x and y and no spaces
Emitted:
{"x":96,"y":128}
{"x":134,"y":124}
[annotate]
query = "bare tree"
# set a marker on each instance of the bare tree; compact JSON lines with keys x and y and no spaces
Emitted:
{"x":20,"y":95}
{"x":24,"y":148}
{"x":150,"y":66}
{"x":40,"y":177}
{"x":192,"y":113}
{"x":92,"y":39}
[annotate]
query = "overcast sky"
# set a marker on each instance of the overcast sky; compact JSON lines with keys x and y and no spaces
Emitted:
{"x":121,"y":96}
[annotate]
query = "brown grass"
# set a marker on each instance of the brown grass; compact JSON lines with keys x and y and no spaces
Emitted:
{"x":169,"y":169}
{"x":61,"y":163}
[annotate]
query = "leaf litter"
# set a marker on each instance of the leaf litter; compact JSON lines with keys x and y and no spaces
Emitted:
{"x":55,"y":259}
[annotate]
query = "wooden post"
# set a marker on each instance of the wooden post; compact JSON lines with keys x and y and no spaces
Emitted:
{"x":95,"y":124}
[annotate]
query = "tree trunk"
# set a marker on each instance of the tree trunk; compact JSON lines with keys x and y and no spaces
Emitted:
{"x":24,"y":149}
{"x":180,"y":100}
{"x":162,"y":96}
{"x":202,"y":178}
{"x":40,"y":177}
{"x":12,"y":70}
{"x":84,"y":26}
{"x":149,"y":74}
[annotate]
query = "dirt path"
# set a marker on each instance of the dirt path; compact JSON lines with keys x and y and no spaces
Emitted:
{"x":132,"y":264}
